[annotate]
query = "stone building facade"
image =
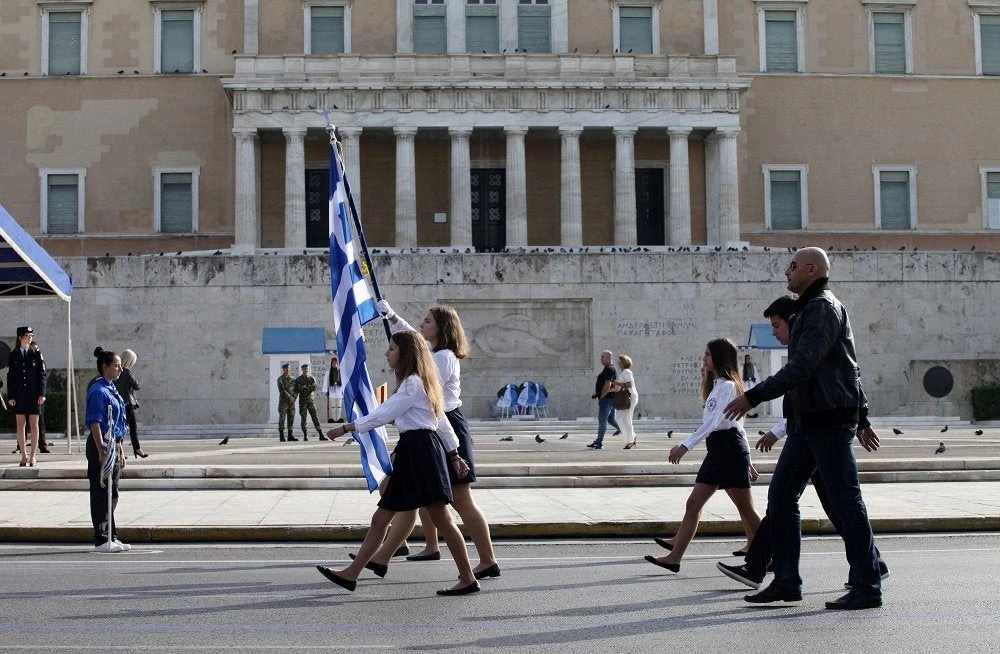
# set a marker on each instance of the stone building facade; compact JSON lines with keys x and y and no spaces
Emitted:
{"x":196,"y":322}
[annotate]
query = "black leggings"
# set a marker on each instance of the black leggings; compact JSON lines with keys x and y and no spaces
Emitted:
{"x":133,"y":430}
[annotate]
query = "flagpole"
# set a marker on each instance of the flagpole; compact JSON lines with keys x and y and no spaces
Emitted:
{"x":334,"y":143}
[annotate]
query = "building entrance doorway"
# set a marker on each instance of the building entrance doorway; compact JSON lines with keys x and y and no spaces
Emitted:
{"x":489,"y":209}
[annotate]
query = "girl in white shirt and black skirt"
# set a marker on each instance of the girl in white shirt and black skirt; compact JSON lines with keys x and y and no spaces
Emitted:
{"x":427,"y":448}
{"x":727,"y":463}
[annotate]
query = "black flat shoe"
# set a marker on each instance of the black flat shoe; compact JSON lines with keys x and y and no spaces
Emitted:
{"x":672,"y":567}
{"x":492,"y":571}
{"x":433,"y":556}
{"x":403,"y":550}
{"x":742,"y":553}
{"x":464,"y":590}
{"x":44,"y":450}
{"x":853,"y":601}
{"x":340,"y":581}
{"x":377,"y":568}
{"x":774,"y":594}
{"x":662,"y":542}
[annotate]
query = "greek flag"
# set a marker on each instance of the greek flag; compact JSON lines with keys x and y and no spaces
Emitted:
{"x":353,"y":306}
{"x":108,"y":468}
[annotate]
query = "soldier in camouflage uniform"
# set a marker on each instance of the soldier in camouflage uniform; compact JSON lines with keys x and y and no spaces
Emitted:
{"x":286,"y":403}
{"x":305,"y":388}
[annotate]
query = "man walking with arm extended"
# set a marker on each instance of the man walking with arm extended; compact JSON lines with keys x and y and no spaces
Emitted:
{"x":605,"y":400}
{"x":822,"y":389}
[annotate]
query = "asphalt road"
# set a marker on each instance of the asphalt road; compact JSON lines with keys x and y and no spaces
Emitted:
{"x":569,"y":596}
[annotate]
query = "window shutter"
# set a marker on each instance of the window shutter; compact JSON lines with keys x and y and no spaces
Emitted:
{"x":782,"y":47}
{"x":63,"y":203}
{"x":786,"y":199}
{"x":890,"y":42}
{"x":894,"y":194}
{"x":326,"y":30}
{"x":430,"y":32}
{"x":175,"y":203}
{"x":635,"y":29}
{"x":993,"y":200}
{"x":482,"y":29}
{"x":64,"y":42}
{"x":177,"y":41}
{"x":989,"y":40}
{"x":534,"y":28}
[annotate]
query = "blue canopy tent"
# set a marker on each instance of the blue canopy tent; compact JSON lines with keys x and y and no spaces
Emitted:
{"x":27,"y":272}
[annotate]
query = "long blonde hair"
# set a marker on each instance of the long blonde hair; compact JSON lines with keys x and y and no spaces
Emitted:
{"x":725,"y":360}
{"x":415,"y":359}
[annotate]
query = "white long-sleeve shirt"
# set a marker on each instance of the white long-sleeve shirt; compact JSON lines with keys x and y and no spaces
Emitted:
{"x":449,"y":368}
{"x":713,"y":419}
{"x":410,"y":409}
{"x":780,"y":429}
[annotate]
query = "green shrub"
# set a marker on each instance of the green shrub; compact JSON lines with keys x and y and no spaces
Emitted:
{"x":55,"y":414}
{"x":986,"y":403}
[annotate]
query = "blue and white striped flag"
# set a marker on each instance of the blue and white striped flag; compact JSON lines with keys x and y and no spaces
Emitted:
{"x":108,"y":468}
{"x":353,"y":306}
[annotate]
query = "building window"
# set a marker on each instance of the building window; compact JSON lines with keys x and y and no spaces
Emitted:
{"x":779,"y":32}
{"x":637,"y":27}
{"x":895,"y":197}
{"x":890,"y":36}
{"x":177,"y":38}
{"x":534,"y":26}
{"x":64,"y":40}
{"x":991,"y":197}
{"x":987,"y":36}
{"x":62,"y":200}
{"x":786,"y":197}
{"x":482,"y":26}
{"x":430,"y":29}
{"x":327,"y":28}
{"x":176,"y":200}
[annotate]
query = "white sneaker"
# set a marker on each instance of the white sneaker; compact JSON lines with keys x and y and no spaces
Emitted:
{"x":125,"y":546}
{"x":108,"y":548}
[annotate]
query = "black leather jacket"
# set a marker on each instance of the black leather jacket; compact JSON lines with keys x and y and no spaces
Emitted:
{"x":821,"y":381}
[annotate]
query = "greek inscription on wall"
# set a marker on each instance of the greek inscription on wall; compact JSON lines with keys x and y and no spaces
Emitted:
{"x":654,"y":328}
{"x":685,"y":375}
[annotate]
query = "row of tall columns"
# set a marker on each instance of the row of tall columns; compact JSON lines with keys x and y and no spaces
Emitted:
{"x":721,"y":179}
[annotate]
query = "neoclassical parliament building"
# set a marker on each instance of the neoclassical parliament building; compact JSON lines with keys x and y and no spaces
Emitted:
{"x":573,"y":175}
{"x":183,"y":125}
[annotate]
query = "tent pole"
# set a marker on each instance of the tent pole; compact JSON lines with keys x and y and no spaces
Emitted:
{"x":70,"y":378}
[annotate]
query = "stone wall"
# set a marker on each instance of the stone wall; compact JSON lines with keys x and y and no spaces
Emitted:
{"x":196,"y":321}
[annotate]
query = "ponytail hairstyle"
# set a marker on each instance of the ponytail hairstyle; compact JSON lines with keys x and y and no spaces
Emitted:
{"x":415,"y":359}
{"x":451,"y":335}
{"x":725,"y":360}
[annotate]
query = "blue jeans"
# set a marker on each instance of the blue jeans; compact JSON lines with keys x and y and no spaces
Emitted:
{"x":605,"y":415}
{"x":828,"y":449}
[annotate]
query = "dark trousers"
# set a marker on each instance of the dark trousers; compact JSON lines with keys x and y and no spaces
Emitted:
{"x":99,"y":496}
{"x":133,"y":429}
{"x":605,"y":416}
{"x":829,"y":450}
{"x":760,"y":552}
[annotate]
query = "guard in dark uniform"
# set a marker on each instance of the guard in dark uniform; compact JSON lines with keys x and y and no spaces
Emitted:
{"x":26,"y":390}
{"x":305,"y":388}
{"x":286,"y":404}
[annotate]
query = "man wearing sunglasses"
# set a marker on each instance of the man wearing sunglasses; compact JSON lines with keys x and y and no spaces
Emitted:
{"x":822,"y":389}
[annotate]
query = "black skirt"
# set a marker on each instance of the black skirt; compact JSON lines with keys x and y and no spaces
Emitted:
{"x":419,"y":473}
{"x":461,"y":427}
{"x":24,"y":404}
{"x":727,"y":464}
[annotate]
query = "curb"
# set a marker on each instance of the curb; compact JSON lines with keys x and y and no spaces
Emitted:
{"x":356,"y":533}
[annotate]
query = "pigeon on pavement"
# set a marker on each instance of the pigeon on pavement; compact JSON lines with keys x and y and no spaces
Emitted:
{"x":978,"y":432}
{"x":944,"y":429}
{"x":507,"y":438}
{"x":566,"y":435}
{"x":940,"y":449}
{"x":224,"y":441}
{"x":670,"y":434}
{"x":897,"y":431}
{"x":539,"y":439}
{"x":760,"y":433}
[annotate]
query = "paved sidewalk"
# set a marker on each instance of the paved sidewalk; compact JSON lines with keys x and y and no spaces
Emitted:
{"x":208,"y":497}
{"x":273,"y":515}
